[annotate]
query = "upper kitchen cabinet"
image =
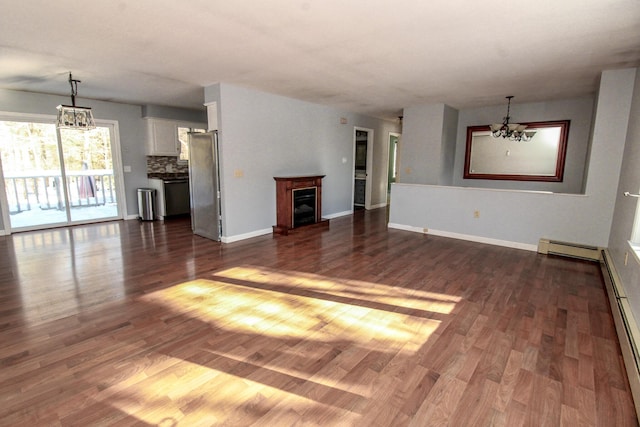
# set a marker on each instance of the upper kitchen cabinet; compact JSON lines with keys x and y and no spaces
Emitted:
{"x":163,"y":136}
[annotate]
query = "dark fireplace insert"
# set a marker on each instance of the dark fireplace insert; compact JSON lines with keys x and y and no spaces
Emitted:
{"x":304,"y":206}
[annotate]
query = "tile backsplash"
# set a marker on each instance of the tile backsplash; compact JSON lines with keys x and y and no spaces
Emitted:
{"x":166,"y":164}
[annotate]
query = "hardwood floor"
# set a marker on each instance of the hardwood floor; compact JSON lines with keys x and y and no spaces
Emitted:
{"x":130,"y":323}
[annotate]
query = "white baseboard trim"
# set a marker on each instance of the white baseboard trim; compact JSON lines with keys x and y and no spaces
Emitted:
{"x":231,"y":239}
{"x":468,"y":237}
{"x":238,"y":237}
{"x":128,"y":217}
{"x":338,"y":214}
{"x":379,"y":205}
{"x":405,"y":227}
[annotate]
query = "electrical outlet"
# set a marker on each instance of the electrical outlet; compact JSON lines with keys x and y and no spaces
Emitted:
{"x":476,"y":214}
{"x":238,"y":173}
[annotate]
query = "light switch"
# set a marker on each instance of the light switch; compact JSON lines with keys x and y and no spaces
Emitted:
{"x":127,"y":168}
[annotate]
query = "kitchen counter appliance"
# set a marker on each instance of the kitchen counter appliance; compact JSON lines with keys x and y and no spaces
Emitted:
{"x":176,"y":196}
{"x":172,"y":196}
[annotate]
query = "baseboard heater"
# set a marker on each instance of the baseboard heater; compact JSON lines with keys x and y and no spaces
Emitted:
{"x":573,"y":250}
{"x":626,"y":326}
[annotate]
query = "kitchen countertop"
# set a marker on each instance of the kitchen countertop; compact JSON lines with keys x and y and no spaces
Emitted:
{"x":168,"y":176}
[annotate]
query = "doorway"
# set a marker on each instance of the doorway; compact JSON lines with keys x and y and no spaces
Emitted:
{"x":362,"y":165}
{"x":392,"y":173}
{"x":57,"y":177}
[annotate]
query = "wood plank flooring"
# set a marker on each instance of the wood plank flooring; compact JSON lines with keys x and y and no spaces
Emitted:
{"x":144,"y":324}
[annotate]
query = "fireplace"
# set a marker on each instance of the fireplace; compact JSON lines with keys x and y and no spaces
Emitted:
{"x":298,"y":202}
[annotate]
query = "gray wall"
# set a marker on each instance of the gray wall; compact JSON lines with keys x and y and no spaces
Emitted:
{"x":523,"y":217}
{"x":578,"y":110}
{"x":448,"y":155}
{"x":421,"y":150}
{"x":173,"y":113}
{"x":263,"y":135}
{"x":626,"y":207}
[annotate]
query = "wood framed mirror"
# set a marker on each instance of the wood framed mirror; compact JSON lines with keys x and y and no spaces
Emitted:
{"x":540,"y":159}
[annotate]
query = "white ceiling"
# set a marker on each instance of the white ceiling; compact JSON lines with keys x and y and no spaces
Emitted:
{"x":368,"y":56}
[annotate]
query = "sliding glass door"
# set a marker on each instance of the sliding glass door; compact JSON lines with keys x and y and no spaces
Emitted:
{"x":56,"y":177}
{"x":89,"y":174}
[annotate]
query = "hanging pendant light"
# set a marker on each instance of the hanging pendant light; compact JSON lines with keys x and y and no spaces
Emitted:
{"x":72,"y":116}
{"x":512,"y":131}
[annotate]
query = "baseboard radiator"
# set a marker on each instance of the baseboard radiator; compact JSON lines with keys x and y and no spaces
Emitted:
{"x":573,"y":250}
{"x":626,"y":326}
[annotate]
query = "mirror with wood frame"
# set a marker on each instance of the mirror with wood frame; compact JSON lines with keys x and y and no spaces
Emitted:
{"x":540,"y":159}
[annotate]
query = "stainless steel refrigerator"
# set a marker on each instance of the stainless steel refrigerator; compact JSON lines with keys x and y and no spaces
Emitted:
{"x":204,"y":185}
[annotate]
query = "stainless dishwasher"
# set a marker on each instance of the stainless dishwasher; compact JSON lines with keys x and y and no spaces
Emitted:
{"x":176,"y":197}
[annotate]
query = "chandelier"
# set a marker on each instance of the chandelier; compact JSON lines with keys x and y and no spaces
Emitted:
{"x":512,"y":131}
{"x":72,"y":116}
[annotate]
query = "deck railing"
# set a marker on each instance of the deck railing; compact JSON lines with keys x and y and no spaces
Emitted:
{"x":44,"y":190}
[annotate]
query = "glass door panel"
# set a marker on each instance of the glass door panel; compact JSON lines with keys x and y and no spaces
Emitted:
{"x":32,"y":174}
{"x":89,"y":173}
{"x":43,"y":190}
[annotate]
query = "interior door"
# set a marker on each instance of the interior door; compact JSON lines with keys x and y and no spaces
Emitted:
{"x":204,"y":184}
{"x":393,"y":159}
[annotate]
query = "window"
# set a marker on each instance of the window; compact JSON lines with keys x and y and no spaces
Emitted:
{"x":183,"y":137}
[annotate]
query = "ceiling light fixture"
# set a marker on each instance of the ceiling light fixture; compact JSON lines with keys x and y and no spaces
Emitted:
{"x":72,"y":116}
{"x":512,"y":131}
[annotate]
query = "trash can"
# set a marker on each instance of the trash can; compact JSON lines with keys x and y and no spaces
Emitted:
{"x":146,"y":203}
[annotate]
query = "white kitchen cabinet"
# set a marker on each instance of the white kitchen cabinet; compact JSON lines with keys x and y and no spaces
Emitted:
{"x":162,"y":138}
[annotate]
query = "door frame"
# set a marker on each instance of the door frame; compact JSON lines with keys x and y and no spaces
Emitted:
{"x":118,"y":171}
{"x":369,"y":170}
{"x":397,"y":135}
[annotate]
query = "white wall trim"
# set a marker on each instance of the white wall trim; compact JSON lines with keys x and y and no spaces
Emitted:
{"x":471,"y":238}
{"x":405,"y":227}
{"x":238,"y":237}
{"x":379,"y":205}
{"x":338,"y":214}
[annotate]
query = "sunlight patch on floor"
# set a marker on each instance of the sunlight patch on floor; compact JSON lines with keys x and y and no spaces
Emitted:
{"x":370,"y":291}
{"x":167,"y":395}
{"x":307,"y":318}
{"x":285,"y":304}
